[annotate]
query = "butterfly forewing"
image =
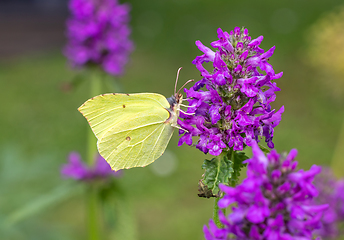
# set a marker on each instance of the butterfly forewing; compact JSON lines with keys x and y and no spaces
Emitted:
{"x":104,"y":111}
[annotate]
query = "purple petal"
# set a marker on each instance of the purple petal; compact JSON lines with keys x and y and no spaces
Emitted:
{"x":75,"y":168}
{"x":256,"y":42}
{"x":208,"y":55}
{"x":214,"y":114}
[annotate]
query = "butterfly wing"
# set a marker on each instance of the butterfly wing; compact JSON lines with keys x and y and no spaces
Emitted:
{"x":130,"y":128}
{"x":104,"y":111}
{"x":136,"y":143}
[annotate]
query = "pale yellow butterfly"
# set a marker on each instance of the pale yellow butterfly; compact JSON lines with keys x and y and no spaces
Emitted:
{"x":132,"y":130}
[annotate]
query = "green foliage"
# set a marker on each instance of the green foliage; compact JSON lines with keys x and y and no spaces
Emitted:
{"x":217,"y":170}
{"x":238,"y":158}
{"x":221,"y":169}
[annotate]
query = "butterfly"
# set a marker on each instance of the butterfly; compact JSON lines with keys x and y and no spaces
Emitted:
{"x":132,"y":130}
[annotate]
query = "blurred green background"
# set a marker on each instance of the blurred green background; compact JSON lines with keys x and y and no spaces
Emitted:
{"x":40,"y":123}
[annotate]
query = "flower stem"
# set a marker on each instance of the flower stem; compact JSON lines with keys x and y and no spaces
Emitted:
{"x":93,"y":225}
{"x":95,"y":90}
{"x":93,"y":213}
{"x":216,"y":213}
{"x":216,"y":207}
{"x":230,"y":156}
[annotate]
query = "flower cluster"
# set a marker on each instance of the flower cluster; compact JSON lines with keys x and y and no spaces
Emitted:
{"x":78,"y":170}
{"x":331,"y":191}
{"x":273,"y":202}
{"x":230,"y":107}
{"x":98,"y":34}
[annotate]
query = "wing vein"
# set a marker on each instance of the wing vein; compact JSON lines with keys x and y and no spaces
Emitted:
{"x":131,"y":146}
{"x":138,"y":159}
{"x":134,"y":128}
{"x":157,"y":140}
{"x":101,"y":112}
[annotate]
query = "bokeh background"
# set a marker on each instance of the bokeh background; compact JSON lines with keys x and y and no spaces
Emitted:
{"x":40,"y":124}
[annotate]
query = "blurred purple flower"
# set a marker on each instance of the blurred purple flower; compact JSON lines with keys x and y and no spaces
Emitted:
{"x":230,"y":106}
{"x":274,"y":201}
{"x":331,"y":191}
{"x":78,"y":170}
{"x":98,"y":34}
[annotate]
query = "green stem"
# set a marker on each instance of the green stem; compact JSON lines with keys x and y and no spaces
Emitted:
{"x":216,"y":213}
{"x":93,"y":225}
{"x":216,"y":207}
{"x":95,"y":90}
{"x":93,"y":214}
{"x":230,"y":156}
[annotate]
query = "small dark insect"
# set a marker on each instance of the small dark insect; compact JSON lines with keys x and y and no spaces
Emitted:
{"x":123,"y":106}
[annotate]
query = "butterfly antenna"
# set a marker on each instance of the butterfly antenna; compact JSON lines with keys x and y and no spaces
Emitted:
{"x":189,"y":81}
{"x":175,"y":86}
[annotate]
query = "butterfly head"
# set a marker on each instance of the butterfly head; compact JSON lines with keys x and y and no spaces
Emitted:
{"x":175,"y":101}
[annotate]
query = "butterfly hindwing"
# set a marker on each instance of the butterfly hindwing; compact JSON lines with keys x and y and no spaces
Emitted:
{"x":138,"y":143}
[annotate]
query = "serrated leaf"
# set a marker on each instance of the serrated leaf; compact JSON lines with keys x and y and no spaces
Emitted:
{"x":217,"y":170}
{"x":223,"y":170}
{"x":238,"y":158}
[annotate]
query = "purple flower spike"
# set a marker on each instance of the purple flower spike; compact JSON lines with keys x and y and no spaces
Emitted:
{"x":98,"y":34}
{"x":233,"y":100}
{"x":75,"y":168}
{"x":103,"y":169}
{"x":266,"y":207}
{"x":79,"y":171}
{"x":331,"y":191}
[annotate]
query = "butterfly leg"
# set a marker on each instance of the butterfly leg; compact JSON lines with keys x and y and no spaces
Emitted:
{"x":186,"y":106}
{"x":176,"y":126}
{"x":186,"y":112}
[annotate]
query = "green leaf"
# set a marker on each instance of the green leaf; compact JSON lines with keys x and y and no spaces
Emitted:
{"x":217,"y":170}
{"x":221,"y":169}
{"x":238,"y":158}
